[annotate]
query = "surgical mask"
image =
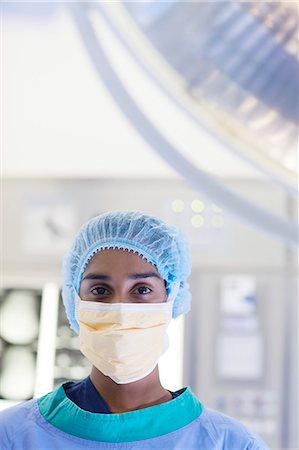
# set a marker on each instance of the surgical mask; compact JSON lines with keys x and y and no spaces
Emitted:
{"x":124,"y":340}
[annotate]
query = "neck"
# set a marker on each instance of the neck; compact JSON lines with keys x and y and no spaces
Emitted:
{"x":131,"y":396}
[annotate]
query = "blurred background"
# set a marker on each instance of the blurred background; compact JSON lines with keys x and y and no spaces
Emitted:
{"x":185,"y":110}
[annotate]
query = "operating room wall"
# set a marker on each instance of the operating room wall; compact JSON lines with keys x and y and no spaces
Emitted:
{"x":264,"y":401}
{"x":42,"y":216}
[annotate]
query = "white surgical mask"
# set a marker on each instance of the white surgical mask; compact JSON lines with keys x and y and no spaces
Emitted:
{"x":124,"y":340}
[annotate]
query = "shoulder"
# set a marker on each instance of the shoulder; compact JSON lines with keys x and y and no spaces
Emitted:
{"x":229,"y":432}
{"x":18,"y":412}
{"x":16,"y":419}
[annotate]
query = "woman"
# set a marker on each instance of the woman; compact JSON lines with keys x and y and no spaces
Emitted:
{"x":124,"y":280}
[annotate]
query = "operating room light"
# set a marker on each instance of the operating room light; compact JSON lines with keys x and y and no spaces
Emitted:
{"x":197,"y":206}
{"x":229,"y":129}
{"x":197,"y":221}
{"x":178,"y":205}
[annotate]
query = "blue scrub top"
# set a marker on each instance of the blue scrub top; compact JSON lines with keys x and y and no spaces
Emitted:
{"x":55,"y":422}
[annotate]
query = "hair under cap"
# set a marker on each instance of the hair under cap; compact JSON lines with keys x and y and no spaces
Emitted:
{"x":161,"y":245}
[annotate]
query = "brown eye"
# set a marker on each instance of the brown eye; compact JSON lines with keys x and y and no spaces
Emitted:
{"x":99,"y":291}
{"x":143,"y":290}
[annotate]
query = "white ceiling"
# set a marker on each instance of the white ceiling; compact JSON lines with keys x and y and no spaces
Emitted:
{"x":58,"y":119}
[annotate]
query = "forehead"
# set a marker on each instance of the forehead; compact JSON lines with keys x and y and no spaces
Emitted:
{"x":119,"y":261}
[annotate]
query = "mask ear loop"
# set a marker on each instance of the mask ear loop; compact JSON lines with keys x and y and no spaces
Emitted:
{"x":77,"y":301}
{"x":174,"y":292}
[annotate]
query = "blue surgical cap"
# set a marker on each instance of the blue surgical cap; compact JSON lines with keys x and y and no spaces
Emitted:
{"x":161,"y":245}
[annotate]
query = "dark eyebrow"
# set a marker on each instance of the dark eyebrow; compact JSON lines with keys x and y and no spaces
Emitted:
{"x":133,"y":276}
{"x":137,"y":276}
{"x":96,"y":276}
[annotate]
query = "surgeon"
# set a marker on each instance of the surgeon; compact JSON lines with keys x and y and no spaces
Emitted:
{"x":124,"y":281}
